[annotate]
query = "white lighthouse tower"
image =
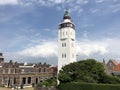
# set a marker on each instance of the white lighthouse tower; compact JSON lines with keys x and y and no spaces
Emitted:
{"x":66,"y":40}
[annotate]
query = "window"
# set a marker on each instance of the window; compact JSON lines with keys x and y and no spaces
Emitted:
{"x":40,"y":70}
{"x":110,"y":64}
{"x":3,"y":71}
{"x":63,"y":44}
{"x":14,"y":70}
{"x":64,"y":55}
{"x":63,"y":25}
{"x":60,"y":34}
{"x":66,"y":33}
{"x":23,"y":80}
{"x":72,"y":44}
{"x":22,"y":71}
{"x":44,"y":69}
{"x":63,"y":33}
{"x":9,"y":71}
{"x":72,"y":55}
{"x":29,"y":80}
{"x":14,"y":81}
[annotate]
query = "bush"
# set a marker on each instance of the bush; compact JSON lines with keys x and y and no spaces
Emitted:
{"x":45,"y":83}
{"x":109,"y":79}
{"x":87,"y":86}
{"x":89,"y":71}
{"x":48,"y":83}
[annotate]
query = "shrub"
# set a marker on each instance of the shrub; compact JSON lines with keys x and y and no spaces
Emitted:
{"x":48,"y":83}
{"x":88,"y":86}
{"x":45,"y":83}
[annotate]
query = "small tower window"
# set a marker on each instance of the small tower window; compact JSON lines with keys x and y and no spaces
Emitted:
{"x":63,"y":44}
{"x":64,"y":55}
{"x":72,"y":55}
{"x":72,"y":44}
{"x":63,"y":33}
{"x":60,"y":34}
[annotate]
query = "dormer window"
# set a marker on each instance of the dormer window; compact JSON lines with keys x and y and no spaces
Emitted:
{"x":110,"y":64}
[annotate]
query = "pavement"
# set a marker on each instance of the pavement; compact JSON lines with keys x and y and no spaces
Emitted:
{"x":4,"y":88}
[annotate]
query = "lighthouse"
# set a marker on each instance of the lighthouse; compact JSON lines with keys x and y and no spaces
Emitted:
{"x":66,"y":41}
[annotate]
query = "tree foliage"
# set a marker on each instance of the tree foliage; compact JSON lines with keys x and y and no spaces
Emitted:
{"x":48,"y":83}
{"x":86,"y":71}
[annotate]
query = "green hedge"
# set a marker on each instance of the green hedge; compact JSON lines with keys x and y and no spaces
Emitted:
{"x":88,"y":86}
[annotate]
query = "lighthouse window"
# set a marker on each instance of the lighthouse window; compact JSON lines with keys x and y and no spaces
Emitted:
{"x":72,"y":55}
{"x":63,"y":44}
{"x":63,"y":33}
{"x":72,"y":44}
{"x":63,"y":55}
{"x":63,"y":25}
{"x":60,"y":34}
{"x":68,"y":25}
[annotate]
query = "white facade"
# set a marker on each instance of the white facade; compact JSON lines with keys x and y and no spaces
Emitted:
{"x":66,"y":40}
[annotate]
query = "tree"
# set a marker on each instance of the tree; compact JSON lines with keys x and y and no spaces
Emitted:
{"x":85,"y":71}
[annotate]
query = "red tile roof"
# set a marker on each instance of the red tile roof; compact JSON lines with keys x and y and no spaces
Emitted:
{"x":114,"y":61}
{"x":117,"y":68}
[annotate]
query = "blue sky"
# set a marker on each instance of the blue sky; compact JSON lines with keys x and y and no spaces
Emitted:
{"x":28,"y":29}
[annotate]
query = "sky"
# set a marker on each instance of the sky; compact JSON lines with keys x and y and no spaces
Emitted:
{"x":29,"y":29}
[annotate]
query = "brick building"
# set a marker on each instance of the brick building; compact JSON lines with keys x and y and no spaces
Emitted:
{"x":113,"y":67}
{"x":1,"y":59}
{"x":14,"y":73}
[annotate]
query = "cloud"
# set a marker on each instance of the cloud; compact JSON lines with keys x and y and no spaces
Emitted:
{"x":45,"y":49}
{"x":105,"y":48}
{"x":88,"y":47}
{"x":11,"y":2}
{"x":73,"y":5}
{"x":48,"y":49}
{"x":115,"y":7}
{"x":84,"y":47}
{"x":99,"y":1}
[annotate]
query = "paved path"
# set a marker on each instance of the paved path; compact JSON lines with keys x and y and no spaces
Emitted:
{"x":15,"y":89}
